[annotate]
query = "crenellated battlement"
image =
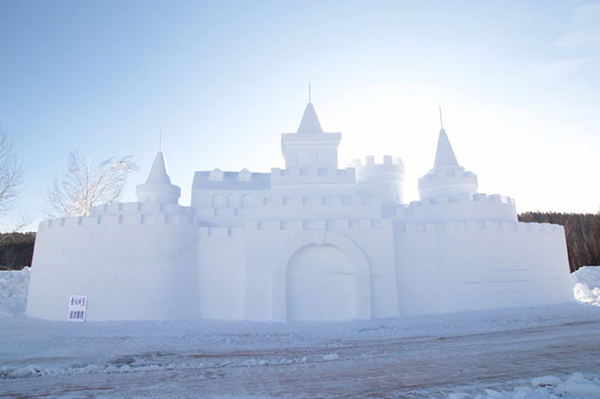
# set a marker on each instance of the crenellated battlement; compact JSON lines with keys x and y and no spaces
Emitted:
{"x":221,"y":231}
{"x":473,"y":225}
{"x":456,"y":207}
{"x":384,"y":180}
{"x":294,"y":175}
{"x":317,"y":224}
{"x":239,"y":204}
{"x":443,"y":182}
{"x":294,"y":225}
{"x":318,"y":201}
{"x":294,"y":172}
{"x":448,"y":177}
{"x":388,"y":164}
{"x":137,"y":207}
{"x":132,"y":213}
{"x":462,"y":198}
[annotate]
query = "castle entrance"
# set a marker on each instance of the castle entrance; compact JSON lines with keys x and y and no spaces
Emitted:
{"x":320,"y":285}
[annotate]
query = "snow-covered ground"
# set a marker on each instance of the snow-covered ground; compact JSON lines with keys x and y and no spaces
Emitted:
{"x":542,"y":352}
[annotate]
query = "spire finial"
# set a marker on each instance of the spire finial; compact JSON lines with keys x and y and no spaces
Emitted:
{"x":160,"y":141}
{"x":309,"y":94}
{"x":441,"y":121}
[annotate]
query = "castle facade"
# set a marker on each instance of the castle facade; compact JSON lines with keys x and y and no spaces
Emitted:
{"x":307,"y":242}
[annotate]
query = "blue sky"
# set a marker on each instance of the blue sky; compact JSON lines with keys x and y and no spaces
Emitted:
{"x":518,"y":83}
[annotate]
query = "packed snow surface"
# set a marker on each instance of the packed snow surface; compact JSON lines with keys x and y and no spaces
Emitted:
{"x":586,"y":285}
{"x":541,"y":352}
{"x":575,"y":386}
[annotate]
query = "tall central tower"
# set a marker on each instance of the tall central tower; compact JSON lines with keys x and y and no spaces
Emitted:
{"x":310,"y":147}
{"x":311,"y":161}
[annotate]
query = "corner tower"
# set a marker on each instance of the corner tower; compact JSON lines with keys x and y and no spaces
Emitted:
{"x":384,"y":180}
{"x":447,"y":177}
{"x":158,"y":187}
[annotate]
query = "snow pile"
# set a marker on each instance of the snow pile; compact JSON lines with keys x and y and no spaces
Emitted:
{"x":576,"y":386}
{"x":14,"y":286}
{"x":586,"y":285}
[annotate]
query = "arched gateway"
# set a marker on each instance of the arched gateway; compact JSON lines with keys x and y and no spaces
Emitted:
{"x":320,"y":285}
{"x":326,"y":277}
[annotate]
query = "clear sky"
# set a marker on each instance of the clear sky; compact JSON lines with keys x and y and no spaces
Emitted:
{"x":518,"y":81}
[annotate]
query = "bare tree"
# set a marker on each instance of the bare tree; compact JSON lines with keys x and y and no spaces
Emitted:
{"x":83,"y":187}
{"x":23,"y":220}
{"x":11,"y":174}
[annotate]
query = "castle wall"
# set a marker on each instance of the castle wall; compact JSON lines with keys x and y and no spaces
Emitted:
{"x":222,"y":199}
{"x":317,"y":207}
{"x":272,"y":244}
{"x":479,"y":265}
{"x":313,"y":181}
{"x":453,"y":208}
{"x":221,"y":280}
{"x":133,"y":261}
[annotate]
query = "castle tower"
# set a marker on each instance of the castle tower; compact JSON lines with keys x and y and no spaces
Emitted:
{"x":310,"y":147}
{"x":158,"y":187}
{"x":447,"y":178}
{"x":385,"y":180}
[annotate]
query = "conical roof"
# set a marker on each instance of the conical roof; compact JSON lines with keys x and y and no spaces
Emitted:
{"x":158,"y":172}
{"x":310,"y":121}
{"x":444,"y":155}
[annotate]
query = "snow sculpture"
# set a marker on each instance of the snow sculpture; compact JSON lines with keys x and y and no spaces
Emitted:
{"x":307,"y":242}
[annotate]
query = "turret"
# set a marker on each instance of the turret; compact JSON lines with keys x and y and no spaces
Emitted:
{"x":158,"y":187}
{"x":447,"y":177}
{"x":384,"y":180}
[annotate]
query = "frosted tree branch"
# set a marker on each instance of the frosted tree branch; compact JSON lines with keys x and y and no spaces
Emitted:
{"x":83,"y":187}
{"x":11,"y":174}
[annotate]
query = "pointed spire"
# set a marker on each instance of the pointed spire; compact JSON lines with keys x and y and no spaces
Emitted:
{"x":158,"y":172}
{"x":310,"y":121}
{"x":444,"y":155}
{"x":158,"y":187}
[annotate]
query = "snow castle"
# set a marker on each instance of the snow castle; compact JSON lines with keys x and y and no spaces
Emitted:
{"x":307,"y":242}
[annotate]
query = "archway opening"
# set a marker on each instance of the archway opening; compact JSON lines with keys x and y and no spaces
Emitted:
{"x":320,"y":285}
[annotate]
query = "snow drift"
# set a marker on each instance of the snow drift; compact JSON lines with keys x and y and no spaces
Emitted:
{"x":14,"y":286}
{"x":586,"y":285}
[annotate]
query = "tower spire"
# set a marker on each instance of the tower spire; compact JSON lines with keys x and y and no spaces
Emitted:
{"x":160,"y":141}
{"x":158,"y":172}
{"x":444,"y":155}
{"x":310,"y":121}
{"x":158,"y":186}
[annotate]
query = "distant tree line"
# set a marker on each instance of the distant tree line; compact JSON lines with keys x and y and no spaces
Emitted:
{"x":16,"y":250}
{"x":582,"y":231}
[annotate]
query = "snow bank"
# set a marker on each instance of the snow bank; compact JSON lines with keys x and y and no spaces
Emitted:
{"x":576,"y":386}
{"x":14,"y":286}
{"x":586,"y":285}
